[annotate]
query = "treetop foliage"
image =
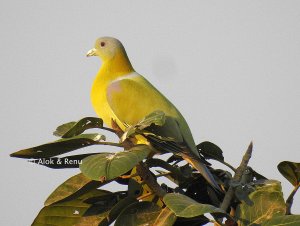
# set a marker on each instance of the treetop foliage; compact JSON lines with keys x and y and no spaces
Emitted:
{"x":247,"y":197}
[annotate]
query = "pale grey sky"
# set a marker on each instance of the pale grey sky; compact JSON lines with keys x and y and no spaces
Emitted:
{"x":231,"y":67}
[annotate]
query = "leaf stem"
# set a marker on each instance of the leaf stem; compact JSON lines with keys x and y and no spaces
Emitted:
{"x":290,"y":199}
{"x":237,"y":177}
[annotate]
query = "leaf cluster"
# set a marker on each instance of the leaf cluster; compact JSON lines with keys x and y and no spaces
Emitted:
{"x":81,"y":201}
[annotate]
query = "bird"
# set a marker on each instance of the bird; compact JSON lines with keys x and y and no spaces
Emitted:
{"x":121,"y":94}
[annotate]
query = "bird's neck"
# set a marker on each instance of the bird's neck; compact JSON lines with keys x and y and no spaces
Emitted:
{"x":117,"y":66}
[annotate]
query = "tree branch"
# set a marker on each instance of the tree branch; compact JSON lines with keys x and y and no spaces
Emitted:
{"x":237,"y":177}
{"x":150,"y":180}
{"x":141,"y":168}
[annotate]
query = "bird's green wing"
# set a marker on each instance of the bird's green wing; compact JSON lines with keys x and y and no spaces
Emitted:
{"x":133,"y":99}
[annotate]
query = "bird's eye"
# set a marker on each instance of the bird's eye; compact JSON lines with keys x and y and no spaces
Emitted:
{"x":102,"y":44}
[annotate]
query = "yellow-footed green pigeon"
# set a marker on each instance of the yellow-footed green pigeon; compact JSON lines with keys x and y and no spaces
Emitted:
{"x":121,"y":94}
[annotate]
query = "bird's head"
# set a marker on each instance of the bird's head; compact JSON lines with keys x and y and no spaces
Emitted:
{"x":106,"y":48}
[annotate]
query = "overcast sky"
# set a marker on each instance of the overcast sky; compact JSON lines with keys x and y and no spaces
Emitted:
{"x":231,"y":68}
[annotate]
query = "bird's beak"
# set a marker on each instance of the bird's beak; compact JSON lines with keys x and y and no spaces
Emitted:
{"x":91,"y":52}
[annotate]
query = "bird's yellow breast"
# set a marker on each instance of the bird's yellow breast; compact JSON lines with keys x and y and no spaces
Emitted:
{"x":99,"y":100}
{"x":108,"y":72}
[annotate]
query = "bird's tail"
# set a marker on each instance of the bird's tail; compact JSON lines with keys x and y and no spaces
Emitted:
{"x":203,"y":170}
{"x":187,"y":155}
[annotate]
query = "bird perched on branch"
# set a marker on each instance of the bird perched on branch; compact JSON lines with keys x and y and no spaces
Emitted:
{"x":121,"y":94}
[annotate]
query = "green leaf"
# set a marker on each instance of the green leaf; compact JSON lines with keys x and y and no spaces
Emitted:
{"x":165,"y":218}
{"x":210,"y":151}
{"x":72,"y":212}
{"x":120,"y":206}
{"x":135,"y":189}
{"x":257,"y":175}
{"x":267,"y":201}
{"x":138,"y":214}
{"x":59,"y":147}
{"x":107,"y":166}
{"x":184,"y":206}
{"x":290,"y":220}
{"x":155,"y":118}
{"x":72,"y":129}
{"x":106,"y":202}
{"x":291,"y":171}
{"x":76,"y":185}
{"x":92,"y":221}
{"x":62,"y":129}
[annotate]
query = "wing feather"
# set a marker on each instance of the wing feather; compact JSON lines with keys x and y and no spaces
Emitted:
{"x":133,"y":97}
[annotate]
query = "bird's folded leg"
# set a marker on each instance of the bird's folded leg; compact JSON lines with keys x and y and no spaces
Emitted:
{"x":116,"y":128}
{"x":128,"y":143}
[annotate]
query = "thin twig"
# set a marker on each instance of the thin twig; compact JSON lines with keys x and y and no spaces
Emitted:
{"x":110,"y":144}
{"x":128,"y":176}
{"x":150,"y":180}
{"x":163,"y":174}
{"x":109,"y":129}
{"x":290,"y":199}
{"x":216,"y":223}
{"x":228,"y":165}
{"x":237,"y":177}
{"x":144,"y":196}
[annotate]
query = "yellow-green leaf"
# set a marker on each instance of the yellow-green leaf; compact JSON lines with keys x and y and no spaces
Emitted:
{"x":70,"y":213}
{"x":210,"y":151}
{"x":286,"y":220}
{"x":107,"y":166}
{"x":62,"y":129}
{"x":166,"y":217}
{"x":138,"y":214}
{"x":155,"y":118}
{"x":72,"y":129}
{"x":267,"y":201}
{"x":291,"y":171}
{"x":59,"y":147}
{"x":183,"y":206}
{"x":78,"y":184}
